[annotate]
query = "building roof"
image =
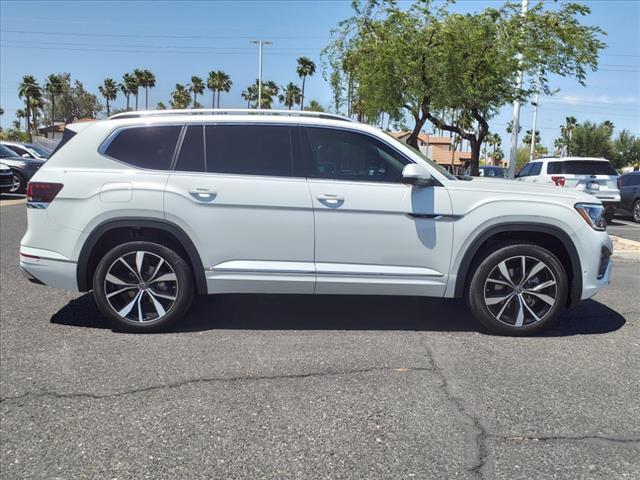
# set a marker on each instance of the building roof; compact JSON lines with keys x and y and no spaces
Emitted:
{"x":423,"y":137}
{"x":448,"y":157}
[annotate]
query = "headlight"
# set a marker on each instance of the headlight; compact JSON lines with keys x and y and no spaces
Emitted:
{"x":593,"y":214}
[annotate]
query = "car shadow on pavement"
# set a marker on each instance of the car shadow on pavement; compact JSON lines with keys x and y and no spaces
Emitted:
{"x":339,"y":312}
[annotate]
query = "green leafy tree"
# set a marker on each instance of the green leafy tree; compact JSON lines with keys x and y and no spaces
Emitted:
{"x":109,"y":90}
{"x":218,"y":81}
{"x":270,"y":91}
{"x":626,"y":150}
{"x":528,"y":136}
{"x":53,"y":86}
{"x":196,"y":87}
{"x":591,"y":140}
{"x":29,"y":90}
{"x":75,"y":102}
{"x":291,"y":95}
{"x":180,"y":97}
{"x":161,"y":106}
{"x":424,"y":61}
{"x":250,"y":94}
{"x":314,"y":106}
{"x":306,"y":68}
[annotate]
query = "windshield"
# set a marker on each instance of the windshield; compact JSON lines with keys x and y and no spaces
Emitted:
{"x":6,"y":152}
{"x":582,"y":167}
{"x":40,"y":151}
{"x":440,"y":169}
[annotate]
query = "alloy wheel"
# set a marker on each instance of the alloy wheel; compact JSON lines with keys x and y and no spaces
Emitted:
{"x":636,"y":212}
{"x":141,"y":286}
{"x":520,"y":291}
{"x":16,"y":184}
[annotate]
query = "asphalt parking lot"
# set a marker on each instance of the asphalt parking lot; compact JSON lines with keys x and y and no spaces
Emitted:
{"x":303,"y":387}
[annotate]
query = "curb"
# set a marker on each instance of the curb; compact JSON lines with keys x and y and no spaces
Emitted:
{"x":625,"y":249}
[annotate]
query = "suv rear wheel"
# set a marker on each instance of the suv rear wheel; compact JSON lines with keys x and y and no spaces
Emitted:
{"x":636,"y":211}
{"x":518,"y":290}
{"x":143,"y":286}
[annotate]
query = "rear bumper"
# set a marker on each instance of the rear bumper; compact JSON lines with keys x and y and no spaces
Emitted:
{"x":48,"y":268}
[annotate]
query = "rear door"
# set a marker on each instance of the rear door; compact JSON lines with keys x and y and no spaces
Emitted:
{"x":597,"y":177}
{"x":233,"y":190}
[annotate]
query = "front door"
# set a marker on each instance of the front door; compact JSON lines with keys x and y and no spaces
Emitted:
{"x":234,"y":193}
{"x":374,"y":234}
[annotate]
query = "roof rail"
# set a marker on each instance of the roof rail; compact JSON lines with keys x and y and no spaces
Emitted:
{"x":229,"y":111}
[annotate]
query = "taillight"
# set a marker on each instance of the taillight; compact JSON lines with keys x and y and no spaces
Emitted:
{"x":559,"y":181}
{"x":40,"y":194}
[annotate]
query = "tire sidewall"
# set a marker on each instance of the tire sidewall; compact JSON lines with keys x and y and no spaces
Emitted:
{"x":23,"y":183}
{"x":180,"y":267}
{"x":475,"y":293}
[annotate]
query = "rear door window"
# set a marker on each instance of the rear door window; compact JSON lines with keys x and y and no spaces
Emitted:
{"x":191,"y":157}
{"x":581,"y":167}
{"x":150,"y":147}
{"x":536,"y":167}
{"x":249,"y":149}
{"x":524,"y":172}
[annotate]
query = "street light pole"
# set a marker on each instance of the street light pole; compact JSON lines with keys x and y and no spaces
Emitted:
{"x":516,"y":112}
{"x":260,"y":43}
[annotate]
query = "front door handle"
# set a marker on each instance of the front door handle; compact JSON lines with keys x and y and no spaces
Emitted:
{"x":331,"y":199}
{"x":203,"y":195}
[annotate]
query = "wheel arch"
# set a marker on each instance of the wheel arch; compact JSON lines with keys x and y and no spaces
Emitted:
{"x":138,"y":228}
{"x":562,"y":246}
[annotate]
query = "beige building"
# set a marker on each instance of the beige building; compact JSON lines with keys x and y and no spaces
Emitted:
{"x":440,"y":150}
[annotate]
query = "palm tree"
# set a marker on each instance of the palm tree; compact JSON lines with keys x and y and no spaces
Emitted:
{"x":129,"y":87}
{"x":306,"y":68}
{"x":528,"y":136}
{"x":29,"y":90}
{"x":180,"y":97}
{"x":218,"y":82}
{"x":608,"y":124}
{"x":109,"y":90}
{"x":53,"y":87}
{"x":270,"y":89}
{"x":147,"y":80}
{"x":314,"y":106}
{"x":161,"y":106}
{"x":250,"y":94}
{"x":196,"y":87}
{"x":566,"y":130}
{"x":290,"y":95}
{"x":20,"y":114}
{"x":140,"y":76}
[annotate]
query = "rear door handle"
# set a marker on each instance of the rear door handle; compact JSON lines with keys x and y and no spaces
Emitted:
{"x":331,"y":199}
{"x":203,"y":195}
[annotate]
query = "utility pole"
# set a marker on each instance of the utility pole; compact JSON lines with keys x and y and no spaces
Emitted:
{"x":516,"y":112}
{"x":535,"y":118}
{"x":260,"y":43}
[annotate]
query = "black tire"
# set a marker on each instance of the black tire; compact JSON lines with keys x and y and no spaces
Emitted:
{"x":636,"y":211}
{"x":609,"y":214}
{"x":169,"y":298}
{"x":503,"y":317}
{"x":19,"y":183}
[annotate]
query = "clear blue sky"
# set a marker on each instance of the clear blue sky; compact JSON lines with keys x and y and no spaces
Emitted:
{"x":93,"y":40}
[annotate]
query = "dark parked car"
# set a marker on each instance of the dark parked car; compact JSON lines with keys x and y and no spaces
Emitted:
{"x":629,"y":185}
{"x":27,"y":150}
{"x":23,"y":168}
{"x":6,"y":178}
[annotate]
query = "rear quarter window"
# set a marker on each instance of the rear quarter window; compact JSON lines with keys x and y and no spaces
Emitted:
{"x":581,"y":167}
{"x":150,"y":147}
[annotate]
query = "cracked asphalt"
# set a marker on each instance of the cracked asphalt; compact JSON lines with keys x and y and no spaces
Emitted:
{"x":298,"y":387}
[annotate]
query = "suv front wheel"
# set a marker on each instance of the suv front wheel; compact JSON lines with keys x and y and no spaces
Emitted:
{"x":518,"y":290}
{"x":143,"y":286}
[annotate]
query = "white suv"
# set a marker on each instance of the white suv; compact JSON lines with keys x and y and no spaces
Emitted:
{"x":595,"y":176}
{"x":149,"y":208}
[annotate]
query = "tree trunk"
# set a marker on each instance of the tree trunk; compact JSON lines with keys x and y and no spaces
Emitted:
{"x":475,"y":157}
{"x":413,"y":138}
{"x":136,"y":101}
{"x":146,"y":97}
{"x":219,"y":92}
{"x":108,"y":110}
{"x":302,"y":96}
{"x":29,"y":119}
{"x":127,"y":97}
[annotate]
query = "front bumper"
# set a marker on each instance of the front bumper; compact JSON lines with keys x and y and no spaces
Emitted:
{"x":596,"y":270}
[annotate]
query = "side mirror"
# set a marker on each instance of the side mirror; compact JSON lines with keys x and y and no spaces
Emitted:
{"x":416,"y":175}
{"x":25,"y":155}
